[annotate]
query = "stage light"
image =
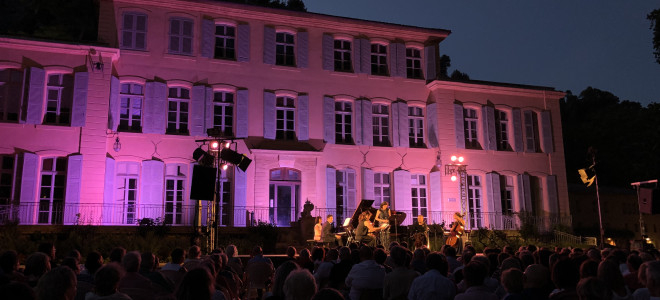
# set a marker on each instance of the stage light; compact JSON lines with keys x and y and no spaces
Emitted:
{"x":214,"y":145}
{"x":453,"y":177}
{"x":203,"y":157}
{"x":227,"y":144}
{"x":225,"y":166}
{"x":453,"y":158}
{"x":235,"y":158}
{"x":460,"y":159}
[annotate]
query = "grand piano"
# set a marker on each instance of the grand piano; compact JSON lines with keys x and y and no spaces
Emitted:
{"x":349,"y":227}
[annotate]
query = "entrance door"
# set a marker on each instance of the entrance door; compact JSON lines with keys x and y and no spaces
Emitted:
{"x":284,"y":193}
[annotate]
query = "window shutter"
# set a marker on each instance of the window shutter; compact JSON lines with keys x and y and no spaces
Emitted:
{"x":73,"y":186}
{"x":331,"y":189}
{"x":394,"y":66}
{"x":401,"y":60}
{"x":367,"y":124}
{"x":356,"y":54}
{"x":303,"y":49}
{"x":488,"y":119}
{"x":435,"y":182}
{"x":394,"y":124}
{"x":367,"y":184}
{"x":459,"y":128}
{"x":516,"y":118}
{"x":365,"y":56}
{"x":553,"y":200}
{"x":113,"y":110}
{"x":208,"y":111}
{"x":155,"y":108}
{"x":240,"y":196}
{"x":243,"y":42}
{"x":269,"y":45}
{"x":108,"y":190}
{"x":429,"y":62}
{"x":328,"y":52}
{"x":432,"y":125}
{"x":303,"y":117}
{"x":196,"y":114}
{"x":152,"y":186}
{"x":269,"y":115}
{"x":79,"y":107}
{"x":358,"y":116}
{"x":329,"y":119}
{"x":546,"y":128}
{"x":494,"y":200}
{"x":36,"y":97}
{"x":525,"y":192}
{"x":350,"y":177}
{"x":242,"y":113}
{"x":402,"y":194}
{"x":29,"y":186}
{"x":403,"y":125}
{"x":208,"y":38}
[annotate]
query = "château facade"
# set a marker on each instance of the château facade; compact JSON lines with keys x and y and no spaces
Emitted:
{"x":330,"y":110}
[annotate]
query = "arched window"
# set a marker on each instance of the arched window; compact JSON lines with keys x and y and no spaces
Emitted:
{"x":284,"y":196}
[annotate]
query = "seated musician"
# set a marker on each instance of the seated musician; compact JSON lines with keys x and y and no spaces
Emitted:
{"x":420,"y":226}
{"x":364,"y":231}
{"x":419,"y":231}
{"x":317,"y":229}
{"x":327,"y":235}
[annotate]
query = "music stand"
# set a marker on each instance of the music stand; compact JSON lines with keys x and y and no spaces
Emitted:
{"x":349,"y":234}
{"x":398,"y":218}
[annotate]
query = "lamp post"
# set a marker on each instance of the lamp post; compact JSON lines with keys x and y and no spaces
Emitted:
{"x":457,"y":169}
{"x":637,"y":185}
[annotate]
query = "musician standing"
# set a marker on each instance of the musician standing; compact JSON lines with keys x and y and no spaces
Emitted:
{"x":327,"y":235}
{"x":383,"y":217}
{"x":362,"y":232}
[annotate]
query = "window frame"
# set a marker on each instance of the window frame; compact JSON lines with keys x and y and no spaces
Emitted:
{"x":130,"y":98}
{"x":382,"y":187}
{"x":382,"y":137}
{"x":343,"y":58}
{"x":129,"y":209}
{"x":471,"y":128}
{"x":181,"y":36}
{"x":419,"y":195}
{"x":8,"y":167}
{"x":414,"y":58}
{"x":180,"y":101}
{"x":416,"y":127}
{"x":502,"y":131}
{"x":6,"y":88}
{"x":474,"y":201}
{"x":224,"y":38}
{"x":52,"y":214}
{"x":507,"y":194}
{"x":286,"y":57}
{"x":287,"y":130}
{"x":344,"y":122}
{"x":227,"y":118}
{"x":134,"y":32}
{"x":180,"y":179}
{"x":344,"y":192}
{"x":378,"y":59}
{"x":531,"y":131}
{"x":64,"y":91}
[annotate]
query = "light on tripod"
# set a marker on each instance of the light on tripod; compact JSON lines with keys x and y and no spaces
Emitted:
{"x":214,"y":145}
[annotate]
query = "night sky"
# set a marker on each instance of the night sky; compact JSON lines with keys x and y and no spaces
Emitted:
{"x":565,"y":44}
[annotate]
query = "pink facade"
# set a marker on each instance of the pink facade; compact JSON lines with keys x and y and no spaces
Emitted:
{"x":331,"y":110}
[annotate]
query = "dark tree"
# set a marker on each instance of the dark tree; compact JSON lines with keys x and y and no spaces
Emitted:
{"x":654,"y":17}
{"x":458,"y":75}
{"x":445,"y":63}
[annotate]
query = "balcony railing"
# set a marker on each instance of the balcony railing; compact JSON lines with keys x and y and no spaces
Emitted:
{"x":103,"y":214}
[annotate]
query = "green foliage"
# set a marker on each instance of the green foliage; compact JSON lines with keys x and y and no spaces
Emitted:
{"x":149,"y":226}
{"x":624,"y":133}
{"x":654,"y":17}
{"x":445,"y":63}
{"x":458,"y":75}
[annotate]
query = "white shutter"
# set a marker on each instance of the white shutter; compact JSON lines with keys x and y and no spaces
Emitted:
{"x":196,"y":113}
{"x":365,"y":56}
{"x":355,"y":56}
{"x":303,"y":117}
{"x":155,"y":108}
{"x":328,"y":52}
{"x":459,"y":128}
{"x":432,"y":125}
{"x":352,"y":193}
{"x":525,"y":192}
{"x":394,"y":124}
{"x":269,"y":45}
{"x":401,"y":69}
{"x":108,"y":191}
{"x":435,"y":197}
{"x":152,"y":186}
{"x":494,"y":198}
{"x":329,"y":119}
{"x":402,"y":124}
{"x":516,"y":118}
{"x":29,"y":188}
{"x":240,"y":196}
{"x":302,"y":44}
{"x":488,"y":122}
{"x":115,"y":103}
{"x":208,"y":38}
{"x":368,"y":184}
{"x":79,"y":107}
{"x":35,"y":97}
{"x":403,"y":194}
{"x":241,"y":113}
{"x":330,"y":189}
{"x":243,"y":42}
{"x":367,"y":124}
{"x":208,"y":101}
{"x":358,"y":116}
{"x":430,"y":55}
{"x":393,"y":62}
{"x":546,"y":131}
{"x":269,"y":115}
{"x":73,"y":187}
{"x":553,"y":201}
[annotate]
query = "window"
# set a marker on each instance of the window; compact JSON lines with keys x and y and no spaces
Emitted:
{"x":416,"y":127}
{"x":130,"y":115}
{"x":531,"y":131}
{"x":284,"y":49}
{"x":346,"y":194}
{"x":381,"y":124}
{"x":418,"y":189}
{"x":11,"y":81}
{"x":506,"y":188}
{"x":470,"y":123}
{"x":223,"y":112}
{"x":343,"y":62}
{"x":51,"y":192}
{"x":127,"y":191}
{"x":175,"y":178}
{"x":285,"y":118}
{"x":177,"y":112}
{"x":6,"y":178}
{"x":537,"y":196}
{"x":225,"y":212}
{"x":59,"y":99}
{"x":181,"y":36}
{"x":284,"y":196}
{"x":474,"y":202}
{"x":134,"y":31}
{"x":502,"y":130}
{"x":343,"y":122}
{"x":413,"y":63}
{"x":381,"y":188}
{"x":378,"y":59}
{"x":225,"y":40}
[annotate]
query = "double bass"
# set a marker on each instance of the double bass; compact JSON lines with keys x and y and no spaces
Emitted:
{"x":457,"y":230}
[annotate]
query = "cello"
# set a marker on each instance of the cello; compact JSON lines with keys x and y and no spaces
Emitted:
{"x":457,"y":230}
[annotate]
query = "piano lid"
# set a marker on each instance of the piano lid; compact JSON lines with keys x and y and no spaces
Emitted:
{"x":364,"y":205}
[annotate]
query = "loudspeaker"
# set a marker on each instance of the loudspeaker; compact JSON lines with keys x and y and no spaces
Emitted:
{"x":203,"y":183}
{"x":649,"y":201}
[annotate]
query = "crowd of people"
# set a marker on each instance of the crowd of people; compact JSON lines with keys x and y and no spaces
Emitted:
{"x":354,"y":272}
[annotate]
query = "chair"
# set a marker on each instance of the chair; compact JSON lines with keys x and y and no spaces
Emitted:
{"x":259,"y":278}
